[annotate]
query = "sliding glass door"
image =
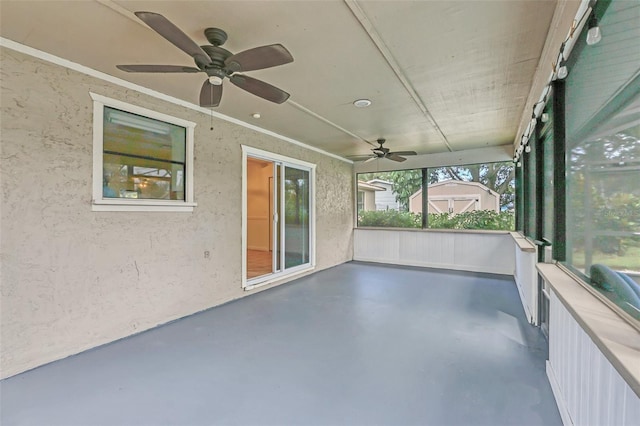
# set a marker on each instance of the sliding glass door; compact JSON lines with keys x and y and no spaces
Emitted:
{"x":296,"y":217}
{"x":278,"y":237}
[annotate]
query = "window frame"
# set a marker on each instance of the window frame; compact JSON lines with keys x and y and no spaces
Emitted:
{"x":424,"y":186}
{"x":99,"y":203}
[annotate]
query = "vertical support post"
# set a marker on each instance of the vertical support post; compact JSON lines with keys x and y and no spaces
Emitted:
{"x":425,"y":198}
{"x":538,"y":151}
{"x":528,"y":170}
{"x":519,"y":199}
{"x":559,"y":172}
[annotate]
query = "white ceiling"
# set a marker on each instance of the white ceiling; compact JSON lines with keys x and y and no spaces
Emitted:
{"x":442,"y":75}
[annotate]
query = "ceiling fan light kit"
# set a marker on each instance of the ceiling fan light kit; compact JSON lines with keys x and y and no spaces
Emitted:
{"x":217,"y":62}
{"x":215,"y":80}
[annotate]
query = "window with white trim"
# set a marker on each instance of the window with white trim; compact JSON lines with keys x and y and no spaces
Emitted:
{"x":143,"y":160}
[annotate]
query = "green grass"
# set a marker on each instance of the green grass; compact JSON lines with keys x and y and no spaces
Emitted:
{"x":630,"y":261}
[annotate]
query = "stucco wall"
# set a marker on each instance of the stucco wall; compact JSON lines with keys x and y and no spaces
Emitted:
{"x":72,"y":279}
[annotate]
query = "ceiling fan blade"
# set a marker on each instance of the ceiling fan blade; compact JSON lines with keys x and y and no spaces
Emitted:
{"x":396,"y":157}
{"x":259,"y":88}
{"x":404,"y":153}
{"x":370,"y":160}
{"x":157,"y":68}
{"x":168,"y":30}
{"x":210,"y":95}
{"x":259,"y":58}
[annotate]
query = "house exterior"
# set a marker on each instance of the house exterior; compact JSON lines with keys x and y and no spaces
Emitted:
{"x":367,"y":196}
{"x":385,"y":200}
{"x":74,"y":277}
{"x":456,"y":197}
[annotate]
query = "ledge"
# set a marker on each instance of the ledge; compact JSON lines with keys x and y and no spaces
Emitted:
{"x":120,"y":205}
{"x":455,"y":231}
{"x":523,"y":243}
{"x":617,"y":339}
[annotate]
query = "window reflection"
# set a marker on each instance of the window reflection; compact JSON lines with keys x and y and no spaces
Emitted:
{"x":142,"y":158}
{"x":603,"y":209}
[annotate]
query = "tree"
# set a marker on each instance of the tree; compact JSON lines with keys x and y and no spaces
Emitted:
{"x":405,"y":183}
{"x":498,"y":177}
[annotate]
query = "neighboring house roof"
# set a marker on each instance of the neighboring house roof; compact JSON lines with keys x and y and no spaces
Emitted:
{"x":368,"y":187}
{"x":384,"y":182}
{"x":455,"y":182}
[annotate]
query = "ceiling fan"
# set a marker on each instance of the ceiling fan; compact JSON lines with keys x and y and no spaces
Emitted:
{"x":382,"y":152}
{"x":216,"y":62}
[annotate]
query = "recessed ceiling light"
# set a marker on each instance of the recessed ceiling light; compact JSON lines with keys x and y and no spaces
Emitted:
{"x":256,"y":115}
{"x":362,"y":103}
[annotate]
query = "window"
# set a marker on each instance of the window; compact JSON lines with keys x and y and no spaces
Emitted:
{"x":529,"y":164}
{"x":143,"y":160}
{"x":360,"y":201}
{"x":474,"y":196}
{"x":520,"y":216}
{"x":387,"y":199}
{"x":603,"y":205}
{"x":545,"y":148}
{"x":603,"y":158}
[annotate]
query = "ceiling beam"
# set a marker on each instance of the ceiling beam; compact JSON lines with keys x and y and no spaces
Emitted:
{"x":366,"y":24}
{"x":490,"y":154}
{"x":329,"y":122}
{"x":122,"y":11}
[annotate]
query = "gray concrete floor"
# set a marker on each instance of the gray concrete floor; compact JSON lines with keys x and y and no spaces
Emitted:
{"x":359,"y":344}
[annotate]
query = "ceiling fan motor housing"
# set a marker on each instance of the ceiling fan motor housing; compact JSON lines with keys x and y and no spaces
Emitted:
{"x":217,"y":56}
{"x":215,"y":36}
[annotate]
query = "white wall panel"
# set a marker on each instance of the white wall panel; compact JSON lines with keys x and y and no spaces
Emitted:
{"x":588,"y":389}
{"x":490,"y":252}
{"x":526,"y":278}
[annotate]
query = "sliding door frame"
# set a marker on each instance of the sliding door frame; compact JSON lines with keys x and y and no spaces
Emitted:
{"x":279,"y":161}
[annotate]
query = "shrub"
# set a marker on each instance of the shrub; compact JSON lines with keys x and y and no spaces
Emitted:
{"x":480,"y":219}
{"x":390,"y":219}
{"x":483,"y":219}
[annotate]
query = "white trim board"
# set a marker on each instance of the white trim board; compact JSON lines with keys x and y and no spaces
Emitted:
{"x":523,"y":300}
{"x":39,"y":54}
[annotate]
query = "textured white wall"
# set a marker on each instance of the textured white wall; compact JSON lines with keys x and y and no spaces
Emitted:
{"x":526,"y":276}
{"x":72,"y":279}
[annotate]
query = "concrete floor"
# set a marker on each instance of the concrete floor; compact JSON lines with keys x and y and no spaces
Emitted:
{"x":358,"y":344}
